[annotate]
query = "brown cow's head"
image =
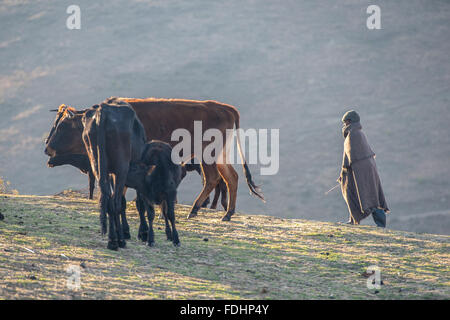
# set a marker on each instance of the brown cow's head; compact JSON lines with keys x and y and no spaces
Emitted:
{"x":65,"y":135}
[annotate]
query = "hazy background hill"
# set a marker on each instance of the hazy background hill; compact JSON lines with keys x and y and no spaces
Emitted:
{"x":293,"y":65}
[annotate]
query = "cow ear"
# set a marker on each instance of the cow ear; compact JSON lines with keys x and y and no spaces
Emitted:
{"x":150,"y":170}
{"x":70,"y":113}
{"x":148,"y":179}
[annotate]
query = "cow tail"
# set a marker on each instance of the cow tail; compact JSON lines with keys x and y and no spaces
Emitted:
{"x":102,"y":164}
{"x":256,"y":190}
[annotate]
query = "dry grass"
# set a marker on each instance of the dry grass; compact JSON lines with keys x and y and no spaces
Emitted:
{"x":251,"y":257}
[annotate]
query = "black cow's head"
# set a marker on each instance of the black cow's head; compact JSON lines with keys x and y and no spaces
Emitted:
{"x":65,"y":136}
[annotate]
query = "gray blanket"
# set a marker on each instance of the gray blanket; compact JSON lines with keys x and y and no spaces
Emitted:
{"x":360,"y":183}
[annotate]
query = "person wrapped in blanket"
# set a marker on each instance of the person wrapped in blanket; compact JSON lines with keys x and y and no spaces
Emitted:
{"x":360,"y":183}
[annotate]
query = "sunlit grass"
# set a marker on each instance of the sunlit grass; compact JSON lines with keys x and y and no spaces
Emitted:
{"x":251,"y":257}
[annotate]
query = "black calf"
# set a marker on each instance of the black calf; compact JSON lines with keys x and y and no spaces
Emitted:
{"x":156,"y":179}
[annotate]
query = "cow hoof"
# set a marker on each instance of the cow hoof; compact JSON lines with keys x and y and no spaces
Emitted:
{"x":192,"y":215}
{"x":151,"y":244}
{"x":122,"y":244}
{"x":126,"y":236}
{"x":143,"y":236}
{"x":177,"y":244}
{"x":113,"y":245}
{"x":226,"y":218}
{"x":193,"y":212}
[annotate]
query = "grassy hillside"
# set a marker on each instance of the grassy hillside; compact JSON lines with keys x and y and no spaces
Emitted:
{"x":293,"y":65}
{"x":252,"y":257}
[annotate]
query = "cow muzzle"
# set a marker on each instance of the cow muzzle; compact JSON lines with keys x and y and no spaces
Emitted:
{"x":50,"y":163}
{"x":49,"y":151}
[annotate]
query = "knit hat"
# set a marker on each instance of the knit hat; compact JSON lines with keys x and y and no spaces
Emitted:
{"x":351,"y":115}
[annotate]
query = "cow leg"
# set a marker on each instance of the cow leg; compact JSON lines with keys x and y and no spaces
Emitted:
{"x":125,"y":226}
{"x":105,"y":196}
{"x":171,"y":216}
{"x":216,"y":197}
{"x":107,"y":207}
{"x":120,"y":237}
{"x":206,"y":202}
{"x":123,"y":216}
{"x":91,"y":178}
{"x":113,"y":243}
{"x":199,"y":171}
{"x":224,"y":191}
{"x":212,"y":176}
{"x":117,"y":198}
{"x":151,"y":217}
{"x":163,"y":207}
{"x":143,"y":227}
{"x":231,"y":178}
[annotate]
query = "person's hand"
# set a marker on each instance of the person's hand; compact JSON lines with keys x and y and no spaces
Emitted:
{"x":341,"y":176}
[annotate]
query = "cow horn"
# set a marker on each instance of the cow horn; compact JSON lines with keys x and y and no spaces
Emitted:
{"x":53,"y":110}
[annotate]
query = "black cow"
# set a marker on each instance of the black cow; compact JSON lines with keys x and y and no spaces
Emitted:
{"x":115,"y":142}
{"x":156,"y":179}
{"x":114,"y":137}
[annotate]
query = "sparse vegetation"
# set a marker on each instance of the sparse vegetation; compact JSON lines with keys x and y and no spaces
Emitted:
{"x":5,"y":187}
{"x":251,"y":257}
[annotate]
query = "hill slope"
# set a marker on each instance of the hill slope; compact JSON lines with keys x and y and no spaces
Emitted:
{"x":292,"y":65}
{"x":250,"y":257}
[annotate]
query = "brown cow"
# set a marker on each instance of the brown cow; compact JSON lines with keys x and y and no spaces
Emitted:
{"x":162,"y":116}
{"x":70,"y":153}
